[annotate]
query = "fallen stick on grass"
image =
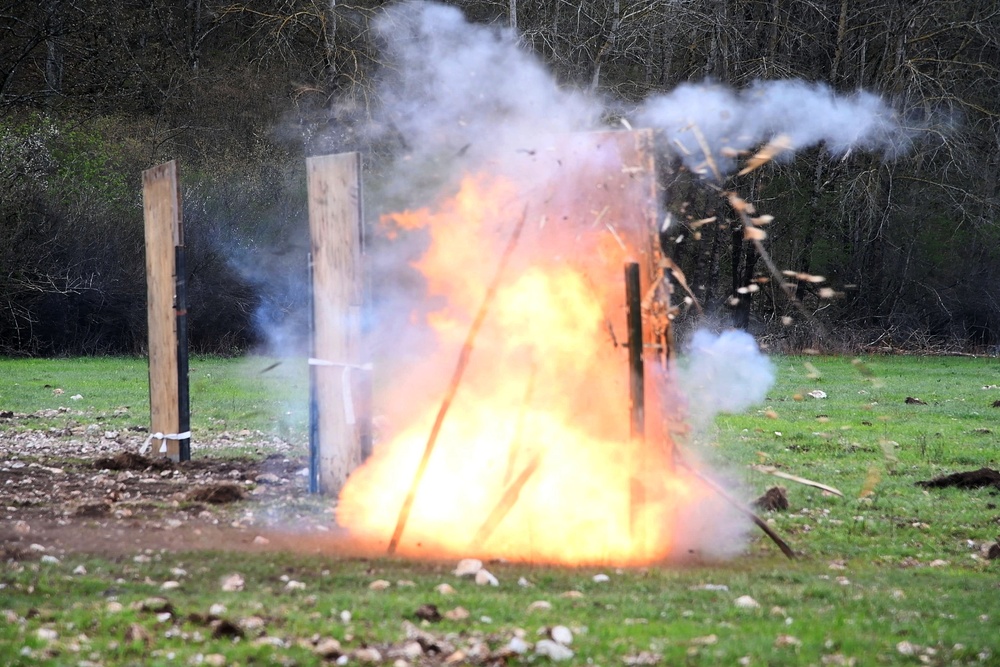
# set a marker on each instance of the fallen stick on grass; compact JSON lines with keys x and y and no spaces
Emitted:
{"x":771,"y":470}
{"x":785,"y":549}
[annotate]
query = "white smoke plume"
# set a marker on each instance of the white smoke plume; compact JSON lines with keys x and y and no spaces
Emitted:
{"x":724,"y":372}
{"x":733,"y":121}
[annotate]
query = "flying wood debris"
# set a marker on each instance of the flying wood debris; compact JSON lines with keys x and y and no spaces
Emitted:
{"x":773,"y":148}
{"x":804,"y":277}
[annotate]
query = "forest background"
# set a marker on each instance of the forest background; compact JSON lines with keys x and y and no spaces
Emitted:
{"x":92,"y":93}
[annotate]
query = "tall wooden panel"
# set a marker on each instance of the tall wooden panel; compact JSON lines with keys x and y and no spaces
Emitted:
{"x":161,"y":208}
{"x":335,"y":225}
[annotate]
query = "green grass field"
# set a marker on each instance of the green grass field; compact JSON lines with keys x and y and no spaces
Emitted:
{"x":891,"y":573}
{"x":254,"y":393}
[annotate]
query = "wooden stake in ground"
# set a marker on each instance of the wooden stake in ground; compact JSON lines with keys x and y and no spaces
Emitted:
{"x":337,"y":248}
{"x":456,"y":379}
{"x":168,"y":380}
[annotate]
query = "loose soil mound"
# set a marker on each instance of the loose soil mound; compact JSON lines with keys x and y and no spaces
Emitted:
{"x":973,"y":479}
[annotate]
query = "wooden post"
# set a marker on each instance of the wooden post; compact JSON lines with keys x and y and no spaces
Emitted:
{"x":637,"y":376}
{"x":335,"y":225}
{"x":164,"y":235}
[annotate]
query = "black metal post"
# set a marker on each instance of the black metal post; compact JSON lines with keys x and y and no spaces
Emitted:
{"x":313,"y":402}
{"x":637,"y":394}
{"x":183,"y":394}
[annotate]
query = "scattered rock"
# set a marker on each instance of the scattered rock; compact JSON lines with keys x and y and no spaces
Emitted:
{"x":553,"y":650}
{"x":540,"y":605}
{"x":484,"y":578}
{"x":233,"y":582}
{"x":561,"y":634}
{"x":642,"y":658}
{"x":136,"y":633}
{"x":517,"y":645}
{"x":994,"y":551}
{"x":379,"y":585}
{"x":369,"y":655}
{"x":468,"y":567}
{"x":746,"y":602}
{"x":155,"y":605}
{"x":267,"y":478}
{"x":572,"y":595}
{"x":412,"y":650}
{"x":774,"y":499}
{"x":252,"y":624}
{"x":817,"y":393}
{"x":783,"y":641}
{"x":47,"y":634}
{"x":457,"y":614}
{"x":328,"y":649}
{"x":601,"y":578}
{"x":444,"y":589}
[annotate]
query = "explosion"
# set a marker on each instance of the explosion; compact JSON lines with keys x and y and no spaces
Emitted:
{"x":534,"y":460}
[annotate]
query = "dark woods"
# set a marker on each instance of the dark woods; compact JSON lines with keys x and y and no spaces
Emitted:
{"x":92,"y":93}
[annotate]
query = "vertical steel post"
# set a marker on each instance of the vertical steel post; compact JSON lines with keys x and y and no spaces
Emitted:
{"x":313,"y":401}
{"x":183,"y":394}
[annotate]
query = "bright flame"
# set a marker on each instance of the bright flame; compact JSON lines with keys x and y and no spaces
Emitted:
{"x":546,"y":386}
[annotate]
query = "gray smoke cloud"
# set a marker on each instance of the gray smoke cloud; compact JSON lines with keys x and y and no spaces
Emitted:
{"x":461,"y":90}
{"x":453,"y":87}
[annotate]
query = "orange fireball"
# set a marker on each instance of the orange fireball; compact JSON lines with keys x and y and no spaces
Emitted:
{"x":534,"y":460}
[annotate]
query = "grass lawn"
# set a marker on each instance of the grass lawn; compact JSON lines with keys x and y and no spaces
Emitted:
{"x":892,"y":573}
{"x":247,"y":393}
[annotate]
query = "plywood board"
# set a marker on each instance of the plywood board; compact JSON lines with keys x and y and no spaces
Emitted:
{"x":161,"y":209}
{"x":335,"y":225}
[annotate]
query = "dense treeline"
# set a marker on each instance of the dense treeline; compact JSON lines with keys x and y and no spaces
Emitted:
{"x":92,"y":93}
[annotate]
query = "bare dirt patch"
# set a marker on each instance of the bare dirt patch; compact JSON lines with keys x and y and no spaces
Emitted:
{"x":94,"y":493}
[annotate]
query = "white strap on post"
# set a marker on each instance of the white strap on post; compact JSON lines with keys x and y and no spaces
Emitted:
{"x":345,"y":381}
{"x":163,"y":437}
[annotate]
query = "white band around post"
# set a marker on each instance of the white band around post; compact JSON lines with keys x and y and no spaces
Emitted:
{"x":163,"y":437}
{"x":345,"y":381}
